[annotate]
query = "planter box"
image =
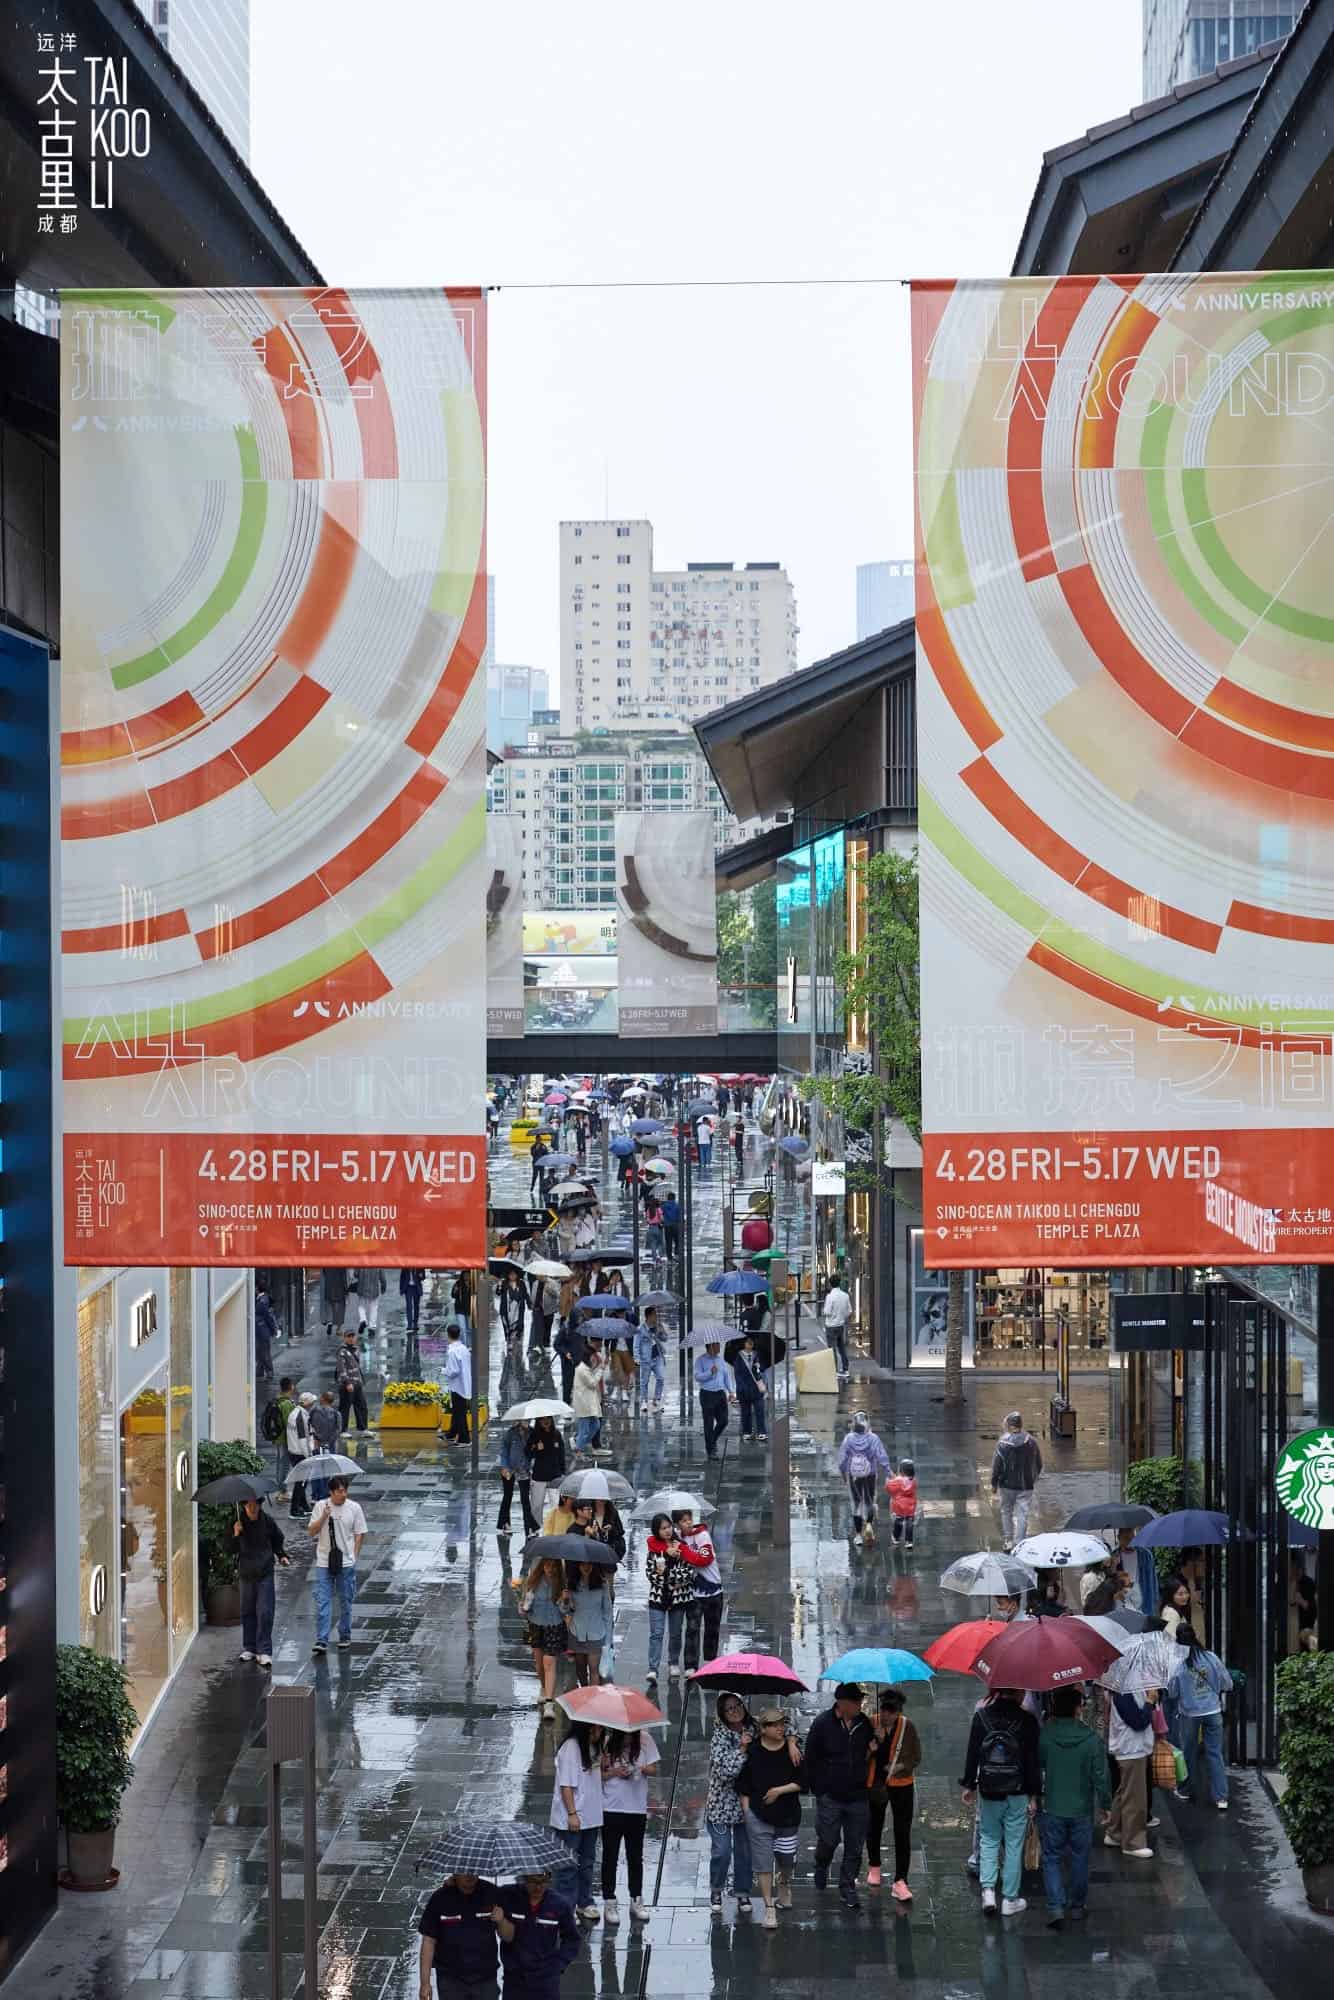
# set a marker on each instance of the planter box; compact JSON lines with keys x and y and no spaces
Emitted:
{"x":1319,"y":1886}
{"x":148,"y":1423}
{"x":410,"y":1417}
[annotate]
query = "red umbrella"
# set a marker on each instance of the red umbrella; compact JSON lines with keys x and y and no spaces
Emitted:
{"x":957,"y":1650}
{"x":761,"y":1672}
{"x":1044,"y":1653}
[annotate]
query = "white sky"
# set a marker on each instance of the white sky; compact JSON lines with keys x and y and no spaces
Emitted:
{"x":435,"y":141}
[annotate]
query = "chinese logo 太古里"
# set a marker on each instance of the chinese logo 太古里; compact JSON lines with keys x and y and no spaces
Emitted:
{"x":1305,"y":1479}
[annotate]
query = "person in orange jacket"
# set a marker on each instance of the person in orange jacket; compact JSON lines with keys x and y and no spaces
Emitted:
{"x":901,"y":1487}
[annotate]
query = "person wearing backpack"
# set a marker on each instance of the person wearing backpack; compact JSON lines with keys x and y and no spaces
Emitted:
{"x":862,"y":1461}
{"x":1003,"y":1770}
{"x":273,"y":1426}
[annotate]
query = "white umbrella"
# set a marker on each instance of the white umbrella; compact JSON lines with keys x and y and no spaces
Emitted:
{"x":659,"y":1167}
{"x":673,"y":1500}
{"x":988,"y":1574}
{"x":1108,"y":1629}
{"x":596,"y":1485}
{"x":1149,"y":1661}
{"x":324,"y":1465}
{"x":547,"y":1267}
{"x":535,"y":1407}
{"x":570,"y":1187}
{"x":1060,"y":1551}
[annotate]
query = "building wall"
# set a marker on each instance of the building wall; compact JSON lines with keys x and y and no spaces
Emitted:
{"x":884,"y":596}
{"x":1189,"y":38}
{"x":210,"y":39}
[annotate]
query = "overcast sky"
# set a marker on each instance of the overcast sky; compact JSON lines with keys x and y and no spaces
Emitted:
{"x":430,"y":141}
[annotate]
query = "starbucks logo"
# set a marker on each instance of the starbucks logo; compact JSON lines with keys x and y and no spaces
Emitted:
{"x":1305,"y":1479}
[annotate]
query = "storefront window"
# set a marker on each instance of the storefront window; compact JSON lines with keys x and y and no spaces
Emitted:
{"x":145,"y":1543}
{"x":99,"y":1566}
{"x":1021,"y":1313}
{"x":181,"y":1468}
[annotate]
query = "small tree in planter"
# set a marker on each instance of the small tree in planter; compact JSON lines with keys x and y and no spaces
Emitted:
{"x":217,"y":1559}
{"x":1305,"y":1705}
{"x":95,"y":1723}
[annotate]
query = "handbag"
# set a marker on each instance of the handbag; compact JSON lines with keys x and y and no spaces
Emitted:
{"x":1159,"y":1720}
{"x":1032,"y":1846}
{"x":1163,"y":1764}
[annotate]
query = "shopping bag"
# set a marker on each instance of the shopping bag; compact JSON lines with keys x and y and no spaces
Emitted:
{"x":1032,"y":1846}
{"x":1179,"y":1758}
{"x":1164,"y":1766}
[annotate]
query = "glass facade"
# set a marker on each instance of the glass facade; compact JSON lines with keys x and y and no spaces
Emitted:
{"x":180,"y":1469}
{"x":145,"y":1597}
{"x":99,"y":1563}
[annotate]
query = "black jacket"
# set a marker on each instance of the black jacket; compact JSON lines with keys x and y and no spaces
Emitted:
{"x":1009,"y":1715}
{"x":258,"y":1546}
{"x":545,"y":1452}
{"x":266,"y":1326}
{"x":836,"y":1757}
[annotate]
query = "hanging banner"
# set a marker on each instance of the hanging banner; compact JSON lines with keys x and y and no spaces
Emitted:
{"x":1125,"y":636}
{"x":667,"y":929}
{"x":569,"y":933}
{"x":504,"y":927}
{"x":273,"y":771}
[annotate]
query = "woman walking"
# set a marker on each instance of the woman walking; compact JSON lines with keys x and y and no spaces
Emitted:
{"x":586,"y":1400}
{"x":540,"y":1601}
{"x":671,"y":1586}
{"x":1195,"y":1699}
{"x":513,"y":1466}
{"x":862,"y":1461}
{"x":770,"y":1785}
{"x":576,"y":1807}
{"x":545,"y":1452}
{"x":724,"y":1813}
{"x":896,"y":1753}
{"x":628,"y":1755}
{"x":586,"y":1606}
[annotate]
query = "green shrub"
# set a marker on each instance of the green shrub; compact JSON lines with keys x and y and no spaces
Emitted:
{"x":95,"y":1721}
{"x":1305,"y":1707}
{"x":1165,"y":1484}
{"x":217,"y":1558}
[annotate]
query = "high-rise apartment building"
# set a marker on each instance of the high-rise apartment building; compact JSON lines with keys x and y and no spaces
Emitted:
{"x":884,"y":596}
{"x":643,"y":647}
{"x":1188,"y":38}
{"x":210,"y":41}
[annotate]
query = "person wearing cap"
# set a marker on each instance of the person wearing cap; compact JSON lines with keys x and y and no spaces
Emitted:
{"x":838,"y":1751}
{"x":769,"y":1785}
{"x":862,"y":1460}
{"x":538,"y":1938}
{"x":300,"y":1445}
{"x":1015,"y":1471}
{"x":458,"y":1940}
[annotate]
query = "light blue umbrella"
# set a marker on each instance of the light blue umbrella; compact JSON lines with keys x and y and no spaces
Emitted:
{"x":737,"y":1284}
{"x":794,"y":1145}
{"x":883,"y":1665}
{"x":622,"y":1147}
{"x":647,"y":1128}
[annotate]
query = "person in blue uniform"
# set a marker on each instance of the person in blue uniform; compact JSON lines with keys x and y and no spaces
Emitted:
{"x":538,"y":1938}
{"x":458,"y":1940}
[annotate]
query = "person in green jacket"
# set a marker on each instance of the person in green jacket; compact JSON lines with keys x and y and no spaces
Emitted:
{"x":1076,"y":1785}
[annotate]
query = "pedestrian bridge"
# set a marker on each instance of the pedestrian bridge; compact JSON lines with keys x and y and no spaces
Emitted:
{"x":746,"y":1041}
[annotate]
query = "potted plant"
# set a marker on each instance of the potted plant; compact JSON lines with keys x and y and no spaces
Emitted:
{"x":410,"y":1406}
{"x":217,"y":1560}
{"x":95,"y":1722}
{"x":1305,"y":1707}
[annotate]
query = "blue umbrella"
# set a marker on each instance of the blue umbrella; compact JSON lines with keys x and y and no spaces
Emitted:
{"x":1300,"y":1536}
{"x":599,"y":1302}
{"x":1190,"y":1526}
{"x":884,"y":1665}
{"x":647,"y":1128}
{"x":698,"y":1106}
{"x":622,"y":1147}
{"x":605,"y":1328}
{"x":737,"y":1284}
{"x":794,"y":1145}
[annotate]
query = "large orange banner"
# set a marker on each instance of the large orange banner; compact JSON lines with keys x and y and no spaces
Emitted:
{"x":273,"y":772}
{"x":1125,"y":643}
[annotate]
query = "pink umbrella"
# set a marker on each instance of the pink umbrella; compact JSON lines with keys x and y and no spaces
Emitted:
{"x":614,"y":1707}
{"x":761,"y":1672}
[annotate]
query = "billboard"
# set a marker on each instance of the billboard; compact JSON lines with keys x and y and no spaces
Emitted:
{"x":667,"y":930}
{"x":569,"y":933}
{"x":1125,"y":630}
{"x":273,"y":769}
{"x":504,"y":927}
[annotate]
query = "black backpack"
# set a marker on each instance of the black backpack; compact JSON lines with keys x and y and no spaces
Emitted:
{"x":1000,"y":1763}
{"x":271,"y":1423}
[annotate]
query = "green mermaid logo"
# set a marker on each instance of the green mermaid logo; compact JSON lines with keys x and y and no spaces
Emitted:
{"x":1305,"y":1479}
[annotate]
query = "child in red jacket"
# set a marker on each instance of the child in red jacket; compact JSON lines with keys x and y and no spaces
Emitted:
{"x":901,"y":1487}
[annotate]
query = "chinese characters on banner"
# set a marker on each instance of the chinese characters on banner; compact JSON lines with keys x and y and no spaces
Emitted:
{"x":1125,"y":643}
{"x":273,"y":842}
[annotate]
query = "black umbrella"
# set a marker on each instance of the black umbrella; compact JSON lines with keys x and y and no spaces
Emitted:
{"x":498,"y":1266}
{"x":569,"y":1549}
{"x":497,"y":1848}
{"x":601,"y":1257}
{"x":234,"y":1487}
{"x":769,"y":1348}
{"x":1111,"y":1514}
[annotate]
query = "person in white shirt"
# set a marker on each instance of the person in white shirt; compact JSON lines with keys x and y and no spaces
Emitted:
{"x":627,"y":1758}
{"x":300,"y":1445}
{"x":576,"y":1807}
{"x":338,"y":1528}
{"x":837,"y":1311}
{"x":458,"y":1381}
{"x":586,"y":1399}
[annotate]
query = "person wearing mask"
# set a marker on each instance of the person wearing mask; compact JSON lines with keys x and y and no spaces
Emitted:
{"x":862,"y":1461}
{"x":902,"y":1491}
{"x":538,"y":1938}
{"x":1015,"y":1469}
{"x":458,"y":1941}
{"x":540,"y":1599}
{"x":1046,"y":1600}
{"x":544,"y":1450}
{"x":713,"y":1379}
{"x":510,"y":1306}
{"x":1195,"y":1700}
{"x":457,"y":1378}
{"x":1130,"y":1744}
{"x":836,"y":1313}
{"x":1076,"y":1789}
{"x":325,"y":1435}
{"x":576,"y":1807}
{"x":628,"y":1755}
{"x":513,"y":1466}
{"x":1002,"y":1769}
{"x":652,"y":1362}
{"x":671,"y":1587}
{"x":750,"y":1391}
{"x":259,"y":1545}
{"x":586,"y":1607}
{"x":704,"y":1612}
{"x":300,"y":1445}
{"x":338,"y":1529}
{"x":586,"y":1399}
{"x":838,"y":1753}
{"x":772,"y":1780}
{"x":351,"y":1383}
{"x":461,"y":1299}
{"x":1140,"y":1567}
{"x":266,"y":1332}
{"x":410,"y":1291}
{"x":895,"y":1755}
{"x":724,"y":1811}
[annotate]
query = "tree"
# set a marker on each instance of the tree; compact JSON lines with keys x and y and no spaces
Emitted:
{"x":881,"y":989}
{"x":747,"y":942}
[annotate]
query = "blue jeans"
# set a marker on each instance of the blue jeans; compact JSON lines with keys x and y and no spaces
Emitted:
{"x":1060,"y":1837}
{"x":672,"y":1621}
{"x":1005,"y":1819}
{"x":1203,"y":1746}
{"x":587,"y":1432}
{"x":729,"y":1844}
{"x":752,"y":1416}
{"x":257,"y":1614}
{"x":584,"y":1843}
{"x":318,"y":1489}
{"x":652,"y":1371}
{"x":346,"y":1583}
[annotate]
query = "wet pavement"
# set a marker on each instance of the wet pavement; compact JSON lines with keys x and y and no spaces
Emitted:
{"x":430,"y":1716}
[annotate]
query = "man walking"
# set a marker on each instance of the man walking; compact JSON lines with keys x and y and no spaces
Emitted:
{"x":324,"y":1436}
{"x":410,"y":1290}
{"x":838,"y":1751}
{"x":1015,"y":1470}
{"x":338,"y":1528}
{"x":276,"y":1427}
{"x":259,"y":1544}
{"x":671,"y":1226}
{"x":652,"y":1362}
{"x":351,"y":1382}
{"x":266,"y":1332}
{"x":1002,"y":1769}
{"x":1075,"y":1786}
{"x":458,"y":1381}
{"x":713,"y":1379}
{"x":836,"y":1312}
{"x":299,"y":1446}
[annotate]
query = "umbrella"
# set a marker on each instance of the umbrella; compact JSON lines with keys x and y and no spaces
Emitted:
{"x":564,"y":1189}
{"x":535,"y":1407}
{"x":1190,"y":1526}
{"x":497,"y":1847}
{"x":796,"y":1147}
{"x":1062,"y":1551}
{"x":738,"y":1284}
{"x":707,"y":1332}
{"x":1108,"y":1627}
{"x":324,"y":1465}
{"x":1111,"y":1514}
{"x":596,"y":1485}
{"x":614,"y":1707}
{"x":570,"y":1203}
{"x":568,"y":1549}
{"x":750,"y":1077}
{"x":553,"y":1162}
{"x":603,"y":1327}
{"x":621,"y":1146}
{"x":762,"y":1673}
{"x":601,"y":1302}
{"x":985,"y":1574}
{"x":674,"y":1500}
{"x":1044,"y":1653}
{"x":1150,"y":1661}
{"x":602,"y":1256}
{"x":769,"y":1349}
{"x":647,"y":1128}
{"x":659,"y":1167}
{"x":882,"y":1664}
{"x":661,"y":1300}
{"x":555,"y":1097}
{"x":548,"y":1267}
{"x":956,"y":1651}
{"x":499,"y":1265}
{"x":1128,"y":1620}
{"x":235,"y":1487}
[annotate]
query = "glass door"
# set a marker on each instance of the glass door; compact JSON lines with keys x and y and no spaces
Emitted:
{"x":145,"y":1543}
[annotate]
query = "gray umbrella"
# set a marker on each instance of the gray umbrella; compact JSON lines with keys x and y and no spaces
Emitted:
{"x":324,"y":1465}
{"x":497,"y":1847}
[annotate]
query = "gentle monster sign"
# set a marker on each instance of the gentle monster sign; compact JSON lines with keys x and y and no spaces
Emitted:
{"x":273,"y":839}
{"x":1125,"y":631}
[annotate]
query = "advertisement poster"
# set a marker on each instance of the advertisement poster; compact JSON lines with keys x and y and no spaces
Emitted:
{"x":504,"y":927}
{"x":930,"y":1311}
{"x":273,"y":770}
{"x":1125,"y":642}
{"x":668,"y":928}
{"x":569,"y":933}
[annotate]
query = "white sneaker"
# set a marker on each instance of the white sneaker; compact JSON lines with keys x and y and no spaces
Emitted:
{"x":769,"y":1921}
{"x":1153,"y":1822}
{"x":548,"y":1711}
{"x":1221,"y":1804}
{"x":1014,"y":1906}
{"x":640,"y":1913}
{"x":1139,"y":1853}
{"x":263,"y":1660}
{"x":611,"y":1916}
{"x":1111,"y":1840}
{"x":590,"y":1913}
{"x":247,"y":1656}
{"x":988,"y":1902}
